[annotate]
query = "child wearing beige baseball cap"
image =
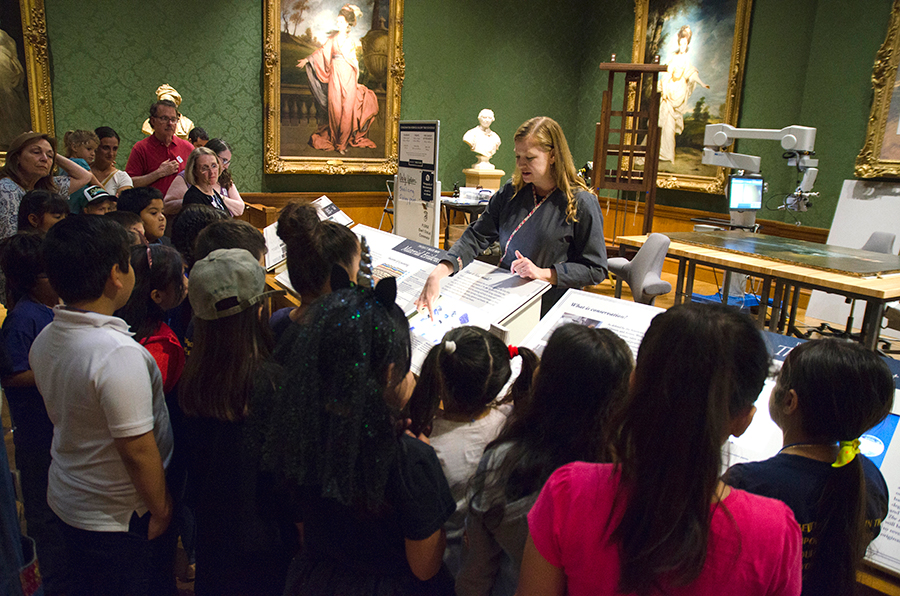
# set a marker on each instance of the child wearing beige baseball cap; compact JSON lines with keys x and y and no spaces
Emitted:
{"x":228,"y":363}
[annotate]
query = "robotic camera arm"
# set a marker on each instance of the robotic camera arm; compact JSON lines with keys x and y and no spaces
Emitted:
{"x":797,"y":141}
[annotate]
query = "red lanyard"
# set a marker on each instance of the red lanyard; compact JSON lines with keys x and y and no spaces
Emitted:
{"x":527,"y":217}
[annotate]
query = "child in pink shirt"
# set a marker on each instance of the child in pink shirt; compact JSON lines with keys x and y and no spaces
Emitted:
{"x":660,"y":520}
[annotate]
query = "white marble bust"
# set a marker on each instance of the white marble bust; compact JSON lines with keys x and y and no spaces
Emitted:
{"x":483,"y":141}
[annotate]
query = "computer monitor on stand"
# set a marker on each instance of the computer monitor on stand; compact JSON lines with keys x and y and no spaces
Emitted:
{"x":745,"y":198}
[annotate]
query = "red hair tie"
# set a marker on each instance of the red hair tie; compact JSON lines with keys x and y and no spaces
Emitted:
{"x":513,"y":351}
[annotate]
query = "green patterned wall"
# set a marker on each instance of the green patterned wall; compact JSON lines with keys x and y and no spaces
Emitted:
{"x":806,"y":64}
{"x":456,"y":65}
{"x":108,"y":58}
{"x":467,"y":55}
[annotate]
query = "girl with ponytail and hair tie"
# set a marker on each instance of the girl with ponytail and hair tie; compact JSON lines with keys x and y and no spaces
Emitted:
{"x":829,"y":392}
{"x":465,"y":374}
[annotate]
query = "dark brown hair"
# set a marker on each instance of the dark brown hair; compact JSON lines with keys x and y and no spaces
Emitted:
{"x":218,"y":377}
{"x":313,"y":247}
{"x":583,"y":374}
{"x":229,"y":233}
{"x":843,"y":390}
{"x":467,"y":377}
{"x":156,"y":267}
{"x":698,"y":367}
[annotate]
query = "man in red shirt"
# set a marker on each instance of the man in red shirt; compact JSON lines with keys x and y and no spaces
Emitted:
{"x":156,"y":160}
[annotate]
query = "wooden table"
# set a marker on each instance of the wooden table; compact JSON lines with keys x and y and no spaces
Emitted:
{"x":787,"y":279}
{"x":470,"y":209}
{"x":280,"y":301}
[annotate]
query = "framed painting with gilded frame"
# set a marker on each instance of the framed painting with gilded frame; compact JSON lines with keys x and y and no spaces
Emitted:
{"x":880,"y":155}
{"x":26,"y":102}
{"x":704,"y":44}
{"x":333,"y":72}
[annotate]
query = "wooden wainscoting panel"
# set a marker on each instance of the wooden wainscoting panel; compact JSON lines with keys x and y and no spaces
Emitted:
{"x":362,"y":207}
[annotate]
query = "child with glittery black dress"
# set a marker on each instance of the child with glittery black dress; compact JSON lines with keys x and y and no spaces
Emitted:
{"x":371,"y":498}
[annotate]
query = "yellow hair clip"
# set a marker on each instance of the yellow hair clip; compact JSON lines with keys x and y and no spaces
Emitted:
{"x":848,"y":450}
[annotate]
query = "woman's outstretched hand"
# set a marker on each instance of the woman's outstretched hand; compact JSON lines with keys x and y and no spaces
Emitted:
{"x":431,"y":291}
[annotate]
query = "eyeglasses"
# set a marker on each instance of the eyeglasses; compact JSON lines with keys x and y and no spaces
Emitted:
{"x":165,"y":119}
{"x":225,"y":162}
{"x":206,"y":169}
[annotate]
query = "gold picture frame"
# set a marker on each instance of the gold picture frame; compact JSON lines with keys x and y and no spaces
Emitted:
{"x":34,"y":43}
{"x":880,"y":154}
{"x":712,"y":21}
{"x":292,"y":109}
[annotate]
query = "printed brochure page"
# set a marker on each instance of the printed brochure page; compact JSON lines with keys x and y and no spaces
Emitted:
{"x":629,"y":320}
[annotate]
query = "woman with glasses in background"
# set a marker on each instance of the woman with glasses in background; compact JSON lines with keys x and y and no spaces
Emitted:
{"x":202,"y":174}
{"x":225,"y":187}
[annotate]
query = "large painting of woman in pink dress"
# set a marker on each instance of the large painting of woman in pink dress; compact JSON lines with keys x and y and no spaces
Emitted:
{"x":333,"y":74}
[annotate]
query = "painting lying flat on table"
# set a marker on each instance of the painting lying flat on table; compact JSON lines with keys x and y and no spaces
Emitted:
{"x":703,"y":43}
{"x":25,"y":102}
{"x":846,"y":261}
{"x":333,"y":74}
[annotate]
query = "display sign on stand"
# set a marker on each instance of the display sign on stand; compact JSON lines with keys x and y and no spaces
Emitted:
{"x":416,"y":188}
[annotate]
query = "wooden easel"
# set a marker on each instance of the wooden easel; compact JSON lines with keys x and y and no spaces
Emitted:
{"x":626,"y":157}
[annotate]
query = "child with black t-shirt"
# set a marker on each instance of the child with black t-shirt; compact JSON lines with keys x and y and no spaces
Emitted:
{"x":829,"y":393}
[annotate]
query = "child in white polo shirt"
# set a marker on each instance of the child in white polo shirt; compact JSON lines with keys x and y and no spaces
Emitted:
{"x":103,"y":391}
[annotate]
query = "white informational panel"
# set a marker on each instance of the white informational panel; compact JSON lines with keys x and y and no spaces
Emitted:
{"x":864,"y":207}
{"x":629,"y":320}
{"x":882,"y":445}
{"x":276,"y":251}
{"x":416,"y":189}
{"x":479,"y":295}
{"x":407,"y":260}
{"x":328,"y":211}
{"x":394,"y":256}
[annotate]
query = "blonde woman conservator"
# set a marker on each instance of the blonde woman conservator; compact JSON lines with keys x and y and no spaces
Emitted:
{"x":547,"y":220}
